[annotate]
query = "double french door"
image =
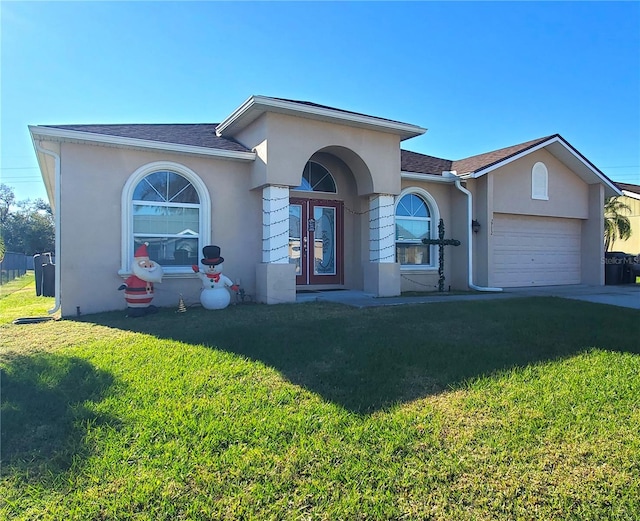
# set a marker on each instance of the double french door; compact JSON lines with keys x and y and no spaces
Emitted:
{"x":315,"y":241}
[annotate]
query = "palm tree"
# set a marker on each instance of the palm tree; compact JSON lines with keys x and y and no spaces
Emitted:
{"x":616,"y":225}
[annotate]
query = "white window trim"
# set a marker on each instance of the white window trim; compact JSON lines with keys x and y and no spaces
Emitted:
{"x":539,"y":170}
{"x":435,"y":219}
{"x":126,"y":233}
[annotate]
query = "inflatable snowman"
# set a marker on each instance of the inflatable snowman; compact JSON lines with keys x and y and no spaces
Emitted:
{"x":214,"y":293}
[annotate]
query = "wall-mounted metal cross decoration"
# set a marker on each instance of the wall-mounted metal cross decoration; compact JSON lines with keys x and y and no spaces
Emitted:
{"x":441,"y":242}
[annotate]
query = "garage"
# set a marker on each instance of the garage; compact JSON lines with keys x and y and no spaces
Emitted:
{"x":535,"y":251}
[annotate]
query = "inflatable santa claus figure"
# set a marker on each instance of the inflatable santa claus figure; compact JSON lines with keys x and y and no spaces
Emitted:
{"x":138,"y":288}
{"x":214,"y":293}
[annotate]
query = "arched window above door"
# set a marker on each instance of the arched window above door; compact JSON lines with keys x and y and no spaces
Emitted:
{"x":316,"y":178}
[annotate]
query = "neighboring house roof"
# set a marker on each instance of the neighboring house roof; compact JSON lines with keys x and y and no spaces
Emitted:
{"x":630,"y":190}
{"x":197,"y":134}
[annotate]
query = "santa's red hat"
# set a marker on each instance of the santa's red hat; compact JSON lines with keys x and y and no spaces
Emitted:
{"x":141,"y":252}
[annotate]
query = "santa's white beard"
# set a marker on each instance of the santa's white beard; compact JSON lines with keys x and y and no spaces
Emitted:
{"x":153,"y":274}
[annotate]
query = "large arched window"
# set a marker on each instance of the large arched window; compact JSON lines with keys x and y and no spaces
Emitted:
{"x":416,"y":213}
{"x":165,"y":205}
{"x":316,"y":178}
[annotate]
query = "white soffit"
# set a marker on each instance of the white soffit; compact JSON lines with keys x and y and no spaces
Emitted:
{"x":255,"y":106}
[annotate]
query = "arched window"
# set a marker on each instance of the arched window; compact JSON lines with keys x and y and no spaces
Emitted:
{"x":539,"y":182}
{"x":416,"y":213}
{"x":316,"y":178}
{"x":167,"y":206}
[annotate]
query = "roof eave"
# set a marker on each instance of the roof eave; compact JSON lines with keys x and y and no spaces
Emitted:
{"x":255,"y":106}
{"x":419,"y":176}
{"x":588,"y":168}
{"x":47,"y":173}
{"x":56,"y":134}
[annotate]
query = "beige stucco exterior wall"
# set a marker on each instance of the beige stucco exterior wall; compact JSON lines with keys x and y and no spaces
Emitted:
{"x":592,"y":243}
{"x":632,"y":244}
{"x":92,"y":181}
{"x":284,"y":144}
{"x":482,"y":191}
{"x":512,"y":189}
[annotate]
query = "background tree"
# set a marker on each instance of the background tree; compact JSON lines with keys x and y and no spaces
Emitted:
{"x":27,"y":226}
{"x":616,"y":225}
{"x":7,"y":199}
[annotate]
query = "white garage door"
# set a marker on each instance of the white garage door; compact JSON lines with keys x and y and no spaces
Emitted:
{"x":535,"y":251}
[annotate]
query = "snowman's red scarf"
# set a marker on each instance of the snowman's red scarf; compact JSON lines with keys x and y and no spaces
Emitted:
{"x":214,"y":276}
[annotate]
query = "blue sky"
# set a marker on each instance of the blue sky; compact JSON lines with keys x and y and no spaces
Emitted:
{"x":478,"y":75}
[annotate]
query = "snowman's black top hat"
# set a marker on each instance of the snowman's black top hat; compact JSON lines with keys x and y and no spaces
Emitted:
{"x":211,"y":256}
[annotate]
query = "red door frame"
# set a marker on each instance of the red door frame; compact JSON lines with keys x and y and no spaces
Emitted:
{"x":307,"y":276}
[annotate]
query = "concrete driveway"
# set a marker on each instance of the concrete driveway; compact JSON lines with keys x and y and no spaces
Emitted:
{"x":627,"y":295}
{"x":624,"y":295}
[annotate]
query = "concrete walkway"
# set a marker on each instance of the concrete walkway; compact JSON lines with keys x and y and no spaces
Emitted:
{"x":627,"y":295}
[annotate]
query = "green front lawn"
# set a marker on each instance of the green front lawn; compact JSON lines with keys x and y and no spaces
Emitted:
{"x":509,"y":409}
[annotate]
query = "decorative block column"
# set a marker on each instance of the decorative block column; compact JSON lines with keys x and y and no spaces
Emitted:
{"x":382,"y":229}
{"x":275,"y":276}
{"x":382,"y":275}
{"x":275,"y":224}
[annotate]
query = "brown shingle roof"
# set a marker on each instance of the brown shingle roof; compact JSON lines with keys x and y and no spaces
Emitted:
{"x":481,"y":161}
{"x":422,"y":163}
{"x":197,"y":134}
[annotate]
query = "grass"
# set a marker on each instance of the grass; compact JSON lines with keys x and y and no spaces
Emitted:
{"x":502,"y":410}
{"x":18,"y":299}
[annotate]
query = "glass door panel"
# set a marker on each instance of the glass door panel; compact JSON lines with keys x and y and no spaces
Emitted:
{"x":298,"y":238}
{"x":315,"y":241}
{"x":324,"y":241}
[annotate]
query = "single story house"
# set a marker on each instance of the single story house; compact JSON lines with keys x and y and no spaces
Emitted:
{"x":304,"y":196}
{"x":630,"y":197}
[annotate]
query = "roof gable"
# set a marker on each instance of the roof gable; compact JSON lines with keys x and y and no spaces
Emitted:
{"x":556,"y":145}
{"x":256,"y":106}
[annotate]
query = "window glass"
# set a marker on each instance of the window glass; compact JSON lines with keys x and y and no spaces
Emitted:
{"x":412,"y":206}
{"x":413,"y":223}
{"x":166,"y":214}
{"x":165,"y":220}
{"x":316,"y":178}
{"x":539,"y":181}
{"x":167,"y":187}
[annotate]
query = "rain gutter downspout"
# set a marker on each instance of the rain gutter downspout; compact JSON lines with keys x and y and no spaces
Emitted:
{"x":470,"y":236}
{"x":56,"y":218}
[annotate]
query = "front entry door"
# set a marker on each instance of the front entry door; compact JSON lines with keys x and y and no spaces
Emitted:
{"x":315,"y":241}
